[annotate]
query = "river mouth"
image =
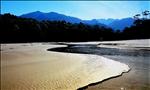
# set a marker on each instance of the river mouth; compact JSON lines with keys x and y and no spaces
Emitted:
{"x":137,"y":58}
{"x":41,"y":69}
{"x":93,"y":49}
{"x":136,"y":79}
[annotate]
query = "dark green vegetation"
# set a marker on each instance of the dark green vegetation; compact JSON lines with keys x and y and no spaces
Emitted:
{"x":17,"y":29}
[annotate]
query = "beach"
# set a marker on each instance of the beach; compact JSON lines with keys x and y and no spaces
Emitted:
{"x":28,"y":66}
{"x":136,"y":79}
{"x":135,"y":53}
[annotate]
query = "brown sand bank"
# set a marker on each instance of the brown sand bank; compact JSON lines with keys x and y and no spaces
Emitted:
{"x":32,"y":67}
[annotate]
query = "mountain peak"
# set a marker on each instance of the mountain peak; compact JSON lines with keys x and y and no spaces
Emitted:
{"x":52,"y":13}
{"x":38,"y":12}
{"x":54,"y":16}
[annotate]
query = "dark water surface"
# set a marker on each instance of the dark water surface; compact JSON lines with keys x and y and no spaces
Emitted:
{"x":137,"y":59}
{"x":103,"y":51}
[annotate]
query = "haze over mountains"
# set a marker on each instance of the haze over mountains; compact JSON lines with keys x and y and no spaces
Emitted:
{"x":116,"y":24}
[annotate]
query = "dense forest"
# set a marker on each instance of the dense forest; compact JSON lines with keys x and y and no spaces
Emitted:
{"x":17,"y":29}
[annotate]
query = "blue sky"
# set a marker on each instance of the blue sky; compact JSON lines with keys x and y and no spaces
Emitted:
{"x":81,"y":9}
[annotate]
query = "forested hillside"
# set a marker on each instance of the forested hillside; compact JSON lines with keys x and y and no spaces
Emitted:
{"x":17,"y":29}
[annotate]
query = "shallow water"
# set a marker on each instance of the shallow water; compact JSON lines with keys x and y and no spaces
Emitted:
{"x":137,"y":59}
{"x":137,"y":79}
{"x":103,"y":51}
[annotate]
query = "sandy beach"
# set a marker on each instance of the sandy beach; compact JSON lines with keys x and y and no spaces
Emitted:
{"x":30,"y":66}
{"x":135,"y":53}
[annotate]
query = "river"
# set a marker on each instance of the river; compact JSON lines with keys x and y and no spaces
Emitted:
{"x":138,"y":78}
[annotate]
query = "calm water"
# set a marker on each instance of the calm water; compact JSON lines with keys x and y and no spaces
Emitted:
{"x":138,"y":60}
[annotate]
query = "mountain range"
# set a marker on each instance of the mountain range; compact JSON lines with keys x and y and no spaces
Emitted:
{"x":116,"y":24}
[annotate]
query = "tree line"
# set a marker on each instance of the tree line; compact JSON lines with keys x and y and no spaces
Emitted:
{"x":141,"y":27}
{"x":17,"y":29}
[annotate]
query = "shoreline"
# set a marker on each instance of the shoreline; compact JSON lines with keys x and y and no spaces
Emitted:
{"x":99,"y":82}
{"x":91,"y":66}
{"x":135,"y":53}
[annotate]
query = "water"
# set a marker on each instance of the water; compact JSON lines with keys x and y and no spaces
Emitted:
{"x":103,"y":51}
{"x":137,"y":59}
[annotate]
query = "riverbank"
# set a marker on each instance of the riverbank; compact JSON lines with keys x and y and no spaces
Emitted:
{"x":30,"y":66}
{"x":135,"y":53}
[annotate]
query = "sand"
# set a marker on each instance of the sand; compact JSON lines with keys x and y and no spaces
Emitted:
{"x":139,"y":76}
{"x":31,"y":67}
{"x":127,"y":44}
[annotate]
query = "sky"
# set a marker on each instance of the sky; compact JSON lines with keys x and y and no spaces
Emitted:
{"x":81,"y":9}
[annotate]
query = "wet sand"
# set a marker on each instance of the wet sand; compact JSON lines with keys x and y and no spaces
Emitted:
{"x":137,"y":56}
{"x":135,"y":53}
{"x":31,"y":67}
{"x":137,"y":79}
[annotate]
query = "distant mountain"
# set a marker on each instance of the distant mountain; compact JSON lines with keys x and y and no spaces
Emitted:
{"x":116,"y":24}
{"x":93,"y":22}
{"x":53,"y":16}
{"x":50,"y":16}
{"x":121,"y":23}
{"x":106,"y":21}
